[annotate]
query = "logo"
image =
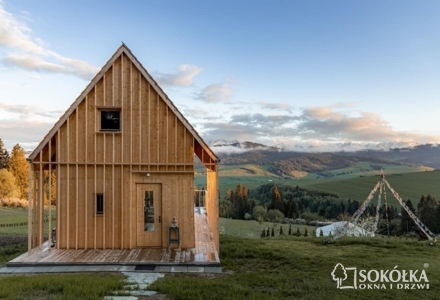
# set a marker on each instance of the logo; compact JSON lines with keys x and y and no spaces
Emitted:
{"x":352,"y":278}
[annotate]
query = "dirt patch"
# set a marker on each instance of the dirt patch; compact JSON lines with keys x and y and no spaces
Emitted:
{"x":6,"y":240}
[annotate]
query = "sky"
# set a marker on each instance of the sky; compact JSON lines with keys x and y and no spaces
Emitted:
{"x":297,"y":73}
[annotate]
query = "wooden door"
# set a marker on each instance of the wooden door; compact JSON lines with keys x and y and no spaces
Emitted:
{"x":149,"y":214}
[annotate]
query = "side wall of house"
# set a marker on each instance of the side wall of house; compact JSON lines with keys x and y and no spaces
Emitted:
{"x":89,"y":161}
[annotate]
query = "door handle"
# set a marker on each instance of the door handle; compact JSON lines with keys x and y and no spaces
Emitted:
{"x":160,"y":219}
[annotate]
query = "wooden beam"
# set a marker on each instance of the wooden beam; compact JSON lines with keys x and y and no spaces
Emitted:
{"x":94,"y":173}
{"x":85,"y":177}
{"x":30,"y":206}
{"x":58,"y":191}
{"x":140,"y":120}
{"x":41,"y":210}
{"x":50,"y":193}
{"x":76,"y":178}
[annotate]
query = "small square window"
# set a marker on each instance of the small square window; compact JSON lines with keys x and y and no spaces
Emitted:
{"x":99,"y":204}
{"x":110,"y":120}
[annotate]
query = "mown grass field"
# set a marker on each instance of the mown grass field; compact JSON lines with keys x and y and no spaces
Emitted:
{"x":410,"y":181}
{"x":13,"y":215}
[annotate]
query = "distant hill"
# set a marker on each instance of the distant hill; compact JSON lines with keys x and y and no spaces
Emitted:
{"x":281,"y":162}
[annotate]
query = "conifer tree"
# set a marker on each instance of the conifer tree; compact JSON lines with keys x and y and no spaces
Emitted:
{"x":406,"y":222}
{"x":268,"y":232}
{"x":281,"y":230}
{"x":297,"y":232}
{"x":321,"y":233}
{"x":314,"y":233}
{"x":263,"y":233}
{"x":4,"y":156}
{"x":306,"y":233}
{"x":290,"y":229}
{"x":273,"y":231}
{"x":19,"y":167}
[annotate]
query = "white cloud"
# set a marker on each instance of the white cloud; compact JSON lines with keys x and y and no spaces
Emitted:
{"x":32,"y":55}
{"x":215,"y":93}
{"x":29,"y":112}
{"x":283,"y":106}
{"x":184,"y":76}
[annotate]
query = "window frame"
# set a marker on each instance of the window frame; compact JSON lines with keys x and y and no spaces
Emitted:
{"x":99,"y":197}
{"x":103,"y":110}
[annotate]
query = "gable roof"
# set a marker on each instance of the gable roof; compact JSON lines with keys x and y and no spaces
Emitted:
{"x":123,"y":49}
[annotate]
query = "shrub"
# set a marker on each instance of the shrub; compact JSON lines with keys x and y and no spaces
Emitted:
{"x":281,"y":230}
{"x":263,"y":233}
{"x":274,"y":215}
{"x":306,"y":233}
{"x":259,"y":212}
{"x":290,"y":229}
{"x":273,"y":231}
{"x":297,"y":232}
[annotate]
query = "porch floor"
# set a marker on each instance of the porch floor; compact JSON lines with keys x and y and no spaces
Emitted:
{"x":204,"y":254}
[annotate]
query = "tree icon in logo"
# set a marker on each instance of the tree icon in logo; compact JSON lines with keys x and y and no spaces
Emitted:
{"x":339,"y":274}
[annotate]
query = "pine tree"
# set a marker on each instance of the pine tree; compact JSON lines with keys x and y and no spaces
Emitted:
{"x":406,"y":222}
{"x":19,"y":167}
{"x":427,"y":212}
{"x":321,"y":233}
{"x":306,"y":233}
{"x":297,"y":232}
{"x":290,"y":229}
{"x":4,"y":156}
{"x":268,"y":232}
{"x":281,"y":230}
{"x":273,"y":231}
{"x":263,"y":233}
{"x":314,"y":233}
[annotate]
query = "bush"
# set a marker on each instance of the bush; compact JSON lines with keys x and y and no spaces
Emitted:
{"x":274,"y":215}
{"x":281,"y":230}
{"x":273,"y":231}
{"x":247,"y":216}
{"x":259,"y":212}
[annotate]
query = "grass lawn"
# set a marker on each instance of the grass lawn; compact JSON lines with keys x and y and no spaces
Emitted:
{"x":290,"y":267}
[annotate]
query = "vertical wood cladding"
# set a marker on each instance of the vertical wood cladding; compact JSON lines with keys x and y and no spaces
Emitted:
{"x":89,"y":161}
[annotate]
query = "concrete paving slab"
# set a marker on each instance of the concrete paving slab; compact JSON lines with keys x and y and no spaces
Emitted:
{"x":163,"y":269}
{"x":58,"y":269}
{"x":178,"y":269}
{"x":193,"y":269}
{"x":8,"y":270}
{"x":74,"y":269}
{"x":42,"y":269}
{"x":110,"y":268}
{"x":24,"y":270}
{"x":143,"y":293}
{"x":127,"y":268}
{"x":216,"y":270}
{"x":93,"y":268}
{"x":120,"y":298}
{"x":139,"y":286}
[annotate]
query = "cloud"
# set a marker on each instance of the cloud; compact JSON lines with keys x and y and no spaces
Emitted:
{"x":283,"y":106}
{"x":184,"y":76}
{"x":32,"y":54}
{"x":326,"y":123}
{"x":314,"y":126}
{"x":27,"y":111}
{"x":25,"y":132}
{"x":215,"y":93}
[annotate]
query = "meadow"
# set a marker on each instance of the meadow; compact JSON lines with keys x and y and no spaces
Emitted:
{"x":280,"y":267}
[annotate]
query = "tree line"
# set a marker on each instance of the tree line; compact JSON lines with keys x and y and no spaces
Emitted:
{"x":272,"y":202}
{"x":14,"y":172}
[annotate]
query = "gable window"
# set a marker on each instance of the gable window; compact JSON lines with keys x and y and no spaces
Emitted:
{"x":111,"y":120}
{"x":99,"y":204}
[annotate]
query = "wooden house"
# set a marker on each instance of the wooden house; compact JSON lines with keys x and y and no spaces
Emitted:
{"x":123,"y":156}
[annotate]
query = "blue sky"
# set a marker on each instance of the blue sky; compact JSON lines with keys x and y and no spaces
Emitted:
{"x":298,"y":73}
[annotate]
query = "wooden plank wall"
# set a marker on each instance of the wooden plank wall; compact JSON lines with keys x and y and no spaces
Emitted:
{"x":88,"y":161}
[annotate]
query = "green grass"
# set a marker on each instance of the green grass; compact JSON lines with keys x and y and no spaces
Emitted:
{"x":10,"y":252}
{"x":288,"y":267}
{"x":409,"y":186}
{"x":59,"y":286}
{"x":13,"y":215}
{"x":252,"y":229}
{"x":253,"y":176}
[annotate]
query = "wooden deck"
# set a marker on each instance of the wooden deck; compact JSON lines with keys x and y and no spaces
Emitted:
{"x":203,"y":254}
